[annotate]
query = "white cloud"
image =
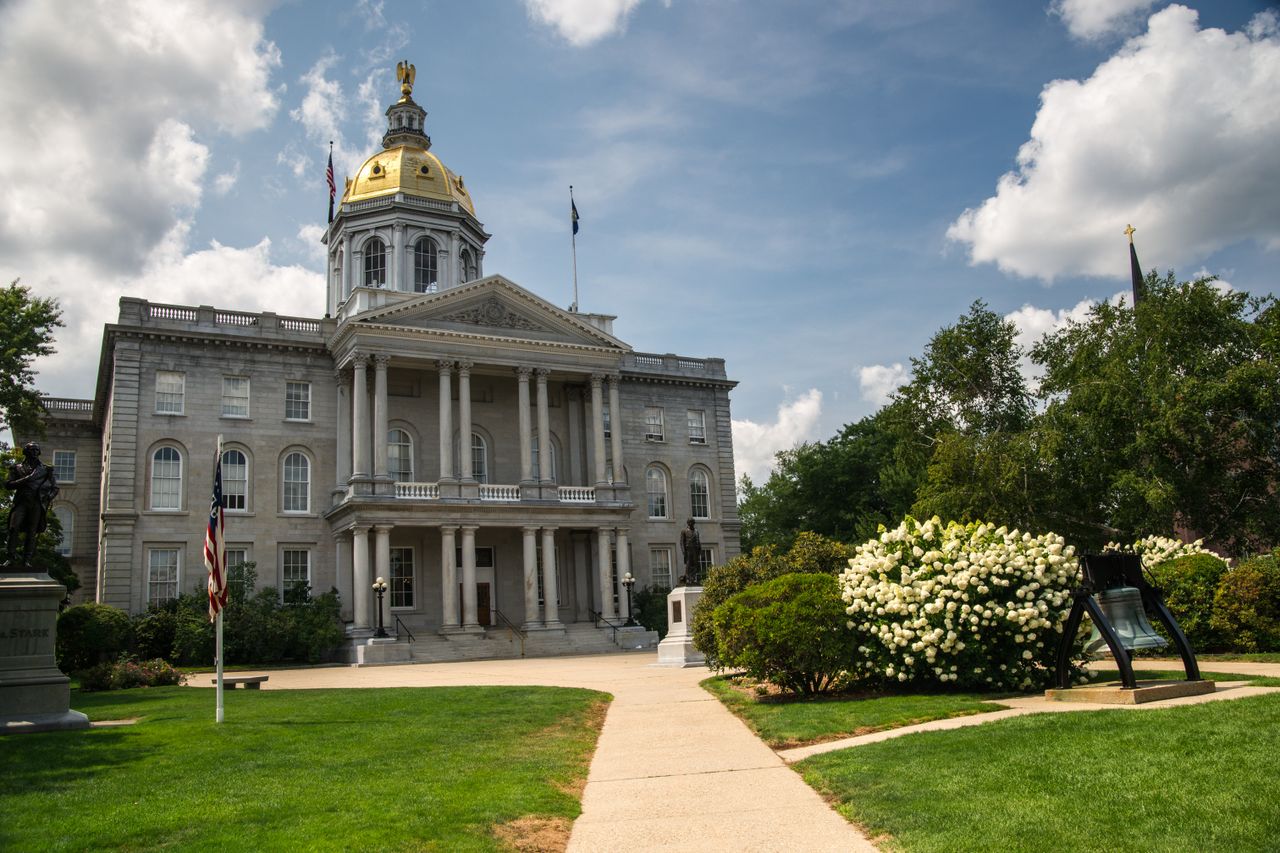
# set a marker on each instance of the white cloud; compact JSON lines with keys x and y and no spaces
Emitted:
{"x":581,"y":22}
{"x":223,"y":183}
{"x":1176,"y":134}
{"x":879,"y":381}
{"x":755,"y":445}
{"x":1034,"y":323}
{"x":1094,"y":19}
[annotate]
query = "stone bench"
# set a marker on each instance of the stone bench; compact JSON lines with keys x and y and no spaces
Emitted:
{"x":250,"y":682}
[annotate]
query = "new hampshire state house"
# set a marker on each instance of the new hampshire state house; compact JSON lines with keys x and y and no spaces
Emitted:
{"x":501,"y":462}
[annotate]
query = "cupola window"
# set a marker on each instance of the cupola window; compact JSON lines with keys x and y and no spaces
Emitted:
{"x":424,"y":265}
{"x":466,"y":265}
{"x":375,"y":263}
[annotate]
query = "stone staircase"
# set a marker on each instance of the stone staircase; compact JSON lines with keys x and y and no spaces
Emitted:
{"x":498,"y":642}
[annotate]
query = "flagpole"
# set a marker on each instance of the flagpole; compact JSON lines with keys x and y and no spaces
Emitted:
{"x":218,"y":717}
{"x":573,"y":239}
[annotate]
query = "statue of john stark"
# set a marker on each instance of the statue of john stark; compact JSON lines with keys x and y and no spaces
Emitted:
{"x":691,"y":553}
{"x":34,"y":488}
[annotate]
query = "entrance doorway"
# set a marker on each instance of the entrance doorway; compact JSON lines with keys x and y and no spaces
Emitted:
{"x":485,"y":599}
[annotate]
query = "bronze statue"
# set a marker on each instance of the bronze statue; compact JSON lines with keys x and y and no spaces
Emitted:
{"x":34,"y":488}
{"x":691,"y":553}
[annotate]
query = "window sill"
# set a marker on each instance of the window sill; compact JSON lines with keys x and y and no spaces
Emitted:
{"x":238,"y":513}
{"x":165,"y":512}
{"x":298,"y":515}
{"x":171,"y":414}
{"x":655,"y":439}
{"x":701,"y":441}
{"x":298,"y":421}
{"x":235,"y":417}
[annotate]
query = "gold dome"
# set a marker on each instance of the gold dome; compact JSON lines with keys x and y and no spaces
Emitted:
{"x":411,"y":170}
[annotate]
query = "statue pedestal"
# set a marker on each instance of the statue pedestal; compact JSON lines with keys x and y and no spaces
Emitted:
{"x":677,"y":648}
{"x":34,"y":694}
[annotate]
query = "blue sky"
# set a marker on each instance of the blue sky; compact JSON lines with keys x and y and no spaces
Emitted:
{"x":806,"y":189}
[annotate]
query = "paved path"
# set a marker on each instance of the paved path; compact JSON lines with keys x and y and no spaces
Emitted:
{"x":674,"y":770}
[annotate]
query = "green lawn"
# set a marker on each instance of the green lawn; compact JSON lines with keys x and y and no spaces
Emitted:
{"x":396,"y":769}
{"x":783,"y":723}
{"x":1105,"y":675}
{"x":1192,"y":778}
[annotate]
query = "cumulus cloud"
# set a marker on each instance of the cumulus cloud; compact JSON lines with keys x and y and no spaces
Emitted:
{"x":223,"y":183}
{"x":1094,"y":19}
{"x":755,"y":444}
{"x":879,"y":381}
{"x":1176,"y":134}
{"x":581,"y":22}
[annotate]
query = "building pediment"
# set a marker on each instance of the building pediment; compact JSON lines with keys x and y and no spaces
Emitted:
{"x":493,"y":306}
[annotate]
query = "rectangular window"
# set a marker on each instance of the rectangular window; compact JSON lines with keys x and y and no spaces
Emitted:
{"x":555,"y":560}
{"x":170,"y":388}
{"x":653,"y":423}
{"x":297,"y":401}
{"x":295,"y":565}
{"x":162,"y":575}
{"x":660,"y":567}
{"x":697,"y":427}
{"x":64,"y":466}
{"x":402,"y":577}
{"x":706,"y":560}
{"x":235,"y":396}
{"x":484,"y":558}
{"x":236,"y":558}
{"x":607,"y":417}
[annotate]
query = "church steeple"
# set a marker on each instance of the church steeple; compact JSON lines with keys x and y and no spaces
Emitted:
{"x":406,"y":121}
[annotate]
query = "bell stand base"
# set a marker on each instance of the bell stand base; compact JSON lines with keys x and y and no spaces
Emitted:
{"x":1115,"y":693}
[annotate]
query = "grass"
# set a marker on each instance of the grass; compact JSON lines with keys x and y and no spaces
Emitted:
{"x":1251,"y":657}
{"x":783,"y":723}
{"x":1191,"y":778}
{"x":476,"y":768}
{"x":1105,"y":675}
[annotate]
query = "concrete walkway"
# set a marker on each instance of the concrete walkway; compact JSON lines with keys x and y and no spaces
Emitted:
{"x":674,"y":770}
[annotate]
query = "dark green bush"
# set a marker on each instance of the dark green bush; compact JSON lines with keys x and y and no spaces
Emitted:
{"x":154,"y":632}
{"x":1189,"y":585}
{"x":258,"y":628}
{"x":651,"y":608}
{"x":89,"y":634}
{"x":128,"y":672}
{"x":789,"y":631}
{"x":1246,"y":609}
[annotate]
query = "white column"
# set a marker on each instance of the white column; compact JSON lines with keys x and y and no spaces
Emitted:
{"x":397,"y":258}
{"x":526,"y":440}
{"x":346,"y":267}
{"x":359,"y":417}
{"x":624,"y":566}
{"x":381,"y":562}
{"x":380,"y":416}
{"x":464,"y":421}
{"x":550,"y":587}
{"x":597,"y":430}
{"x":446,"y":419}
{"x":532,"y":617}
{"x":409,"y":275}
{"x":448,"y":578}
{"x":342,"y":382}
{"x":544,"y":428}
{"x":615,"y":434}
{"x":470,"y":618}
{"x":342,"y":570}
{"x":442,"y":268}
{"x":604,"y":573}
{"x":360,"y":576}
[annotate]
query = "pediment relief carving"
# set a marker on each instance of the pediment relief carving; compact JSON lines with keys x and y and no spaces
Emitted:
{"x":494,"y":313}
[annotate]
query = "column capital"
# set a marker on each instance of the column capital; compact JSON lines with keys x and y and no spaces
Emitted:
{"x":341,"y":375}
{"x":623,"y":531}
{"x":530,"y":528}
{"x":382,"y":528}
{"x":443,"y":364}
{"x":469,"y":528}
{"x":597,"y":379}
{"x":359,"y":360}
{"x":542,"y":373}
{"x":359,"y":529}
{"x":464,"y":367}
{"x":549,"y":528}
{"x":380,"y":360}
{"x":523,"y":372}
{"x":448,"y":528}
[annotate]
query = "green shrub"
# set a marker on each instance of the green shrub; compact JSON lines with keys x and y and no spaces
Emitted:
{"x":1189,"y":585}
{"x":651,"y":608}
{"x":89,"y":634}
{"x":128,"y":672}
{"x":789,"y":631}
{"x":193,"y":633}
{"x":153,"y":633}
{"x":317,"y":628}
{"x":1246,"y":608}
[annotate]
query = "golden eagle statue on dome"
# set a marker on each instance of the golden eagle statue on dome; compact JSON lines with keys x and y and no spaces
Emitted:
{"x":405,"y":74}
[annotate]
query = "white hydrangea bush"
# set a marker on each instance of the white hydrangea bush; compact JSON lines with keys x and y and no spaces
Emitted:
{"x":973,"y":605}
{"x":1155,"y":550}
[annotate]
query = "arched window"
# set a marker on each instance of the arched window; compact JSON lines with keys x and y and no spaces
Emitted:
{"x":533,"y":458}
{"x":297,"y":482}
{"x":375,"y":263}
{"x":655,"y":486}
{"x":479,"y":458}
{"x":400,"y":456}
{"x":166,"y":478}
{"x":67,"y":521}
{"x":466,"y":266}
{"x":424,"y":266}
{"x":699,"y":494}
{"x":235,"y":480}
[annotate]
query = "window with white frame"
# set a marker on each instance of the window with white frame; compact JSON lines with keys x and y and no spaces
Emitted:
{"x":297,"y":482}
{"x":699,"y":494}
{"x":555,"y":562}
{"x":466,"y":266}
{"x":166,"y":478}
{"x":237,"y":556}
{"x":607,"y":417}
{"x":706,"y":559}
{"x":697,"y":426}
{"x":534,"y":447}
{"x":653,"y":428}
{"x":295,"y":569}
{"x":297,"y":401}
{"x":375,"y":263}
{"x":64,"y":466}
{"x":235,"y":480}
{"x":170,"y":392}
{"x":162,"y":574}
{"x":660,"y":567}
{"x":425,"y":278}
{"x":479,"y":458}
{"x":235,"y":396}
{"x":400,"y":455}
{"x":401,"y":577}
{"x":67,"y":521}
{"x":655,"y":486}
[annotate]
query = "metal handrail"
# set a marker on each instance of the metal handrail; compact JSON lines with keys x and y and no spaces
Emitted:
{"x":510,"y":626}
{"x":407,"y":632}
{"x":598,"y":617}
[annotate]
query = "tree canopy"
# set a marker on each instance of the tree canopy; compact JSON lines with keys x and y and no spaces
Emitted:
{"x":26,"y":331}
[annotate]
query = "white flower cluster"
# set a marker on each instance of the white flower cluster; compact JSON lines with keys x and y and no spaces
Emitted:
{"x":972,"y":605}
{"x":1159,"y":549}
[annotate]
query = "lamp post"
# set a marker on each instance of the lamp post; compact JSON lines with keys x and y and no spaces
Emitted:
{"x":380,"y":587}
{"x":629,"y":581}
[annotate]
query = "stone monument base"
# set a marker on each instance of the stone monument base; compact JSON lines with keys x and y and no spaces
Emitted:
{"x":1114,"y":693}
{"x":34,"y":694}
{"x":677,"y":648}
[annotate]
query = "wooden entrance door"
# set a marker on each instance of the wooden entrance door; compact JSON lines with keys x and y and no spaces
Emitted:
{"x":483,"y":604}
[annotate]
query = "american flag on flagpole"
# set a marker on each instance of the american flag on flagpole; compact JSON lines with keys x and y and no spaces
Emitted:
{"x":333,"y":186}
{"x":215,"y":544}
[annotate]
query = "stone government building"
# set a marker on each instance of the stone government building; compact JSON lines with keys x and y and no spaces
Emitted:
{"x":498,"y":460}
